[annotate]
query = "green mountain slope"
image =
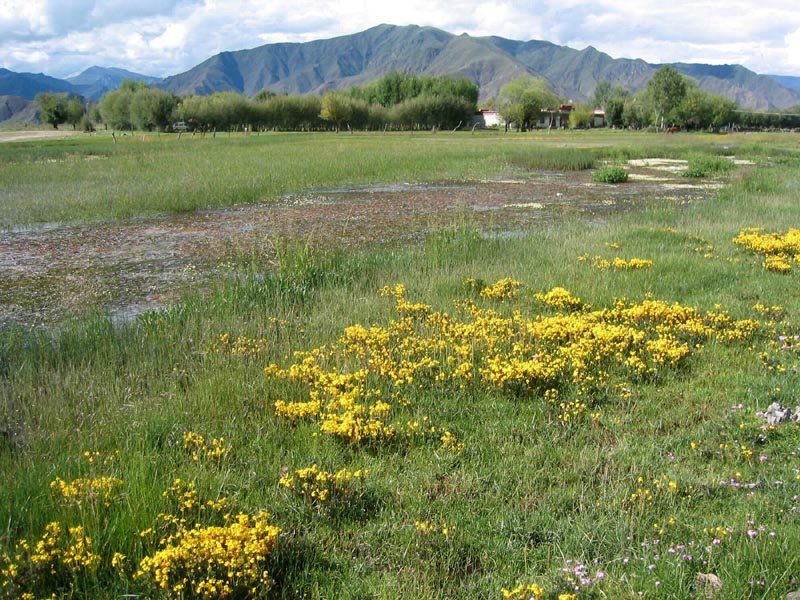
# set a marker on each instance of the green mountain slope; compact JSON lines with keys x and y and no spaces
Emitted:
{"x":314,"y":67}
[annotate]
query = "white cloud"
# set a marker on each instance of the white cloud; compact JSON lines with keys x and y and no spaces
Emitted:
{"x":792,"y":55}
{"x":162,"y":37}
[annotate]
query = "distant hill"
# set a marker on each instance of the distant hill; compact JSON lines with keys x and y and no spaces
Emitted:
{"x":27,"y":85}
{"x":793,"y":83}
{"x":748,"y":89}
{"x":15,"y":109}
{"x":341,"y":62}
{"x":91,"y":84}
{"x":96,"y":81}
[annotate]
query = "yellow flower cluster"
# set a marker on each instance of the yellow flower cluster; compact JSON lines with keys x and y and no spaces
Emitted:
{"x":240,"y":345}
{"x":617,"y":263}
{"x":60,"y":554}
{"x":322,"y":486}
{"x":451,"y":442}
{"x":502,"y":289}
{"x":560,"y":297}
{"x":778,"y":263}
{"x":774,"y":313}
{"x":187,"y":502}
{"x":427,"y":528}
{"x":647,"y":491}
{"x":214,"y":561}
{"x":530,"y":591}
{"x":88,"y":490}
{"x":359,"y":385}
{"x":96,"y":458}
{"x":196,"y":444}
{"x":779,"y":250}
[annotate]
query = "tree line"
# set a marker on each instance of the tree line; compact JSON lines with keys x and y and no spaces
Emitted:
{"x":673,"y":99}
{"x":407,"y":101}
{"x":397,"y":101}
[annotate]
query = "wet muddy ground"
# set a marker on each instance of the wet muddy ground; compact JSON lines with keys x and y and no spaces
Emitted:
{"x":125,"y":268}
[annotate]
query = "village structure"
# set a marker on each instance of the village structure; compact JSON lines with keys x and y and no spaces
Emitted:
{"x":557,"y":118}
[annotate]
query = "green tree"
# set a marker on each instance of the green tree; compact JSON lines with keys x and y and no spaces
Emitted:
{"x":94,"y":114}
{"x":337,"y":108}
{"x":602,"y":92}
{"x":634,"y":113}
{"x":666,"y":90}
{"x":723,"y":111}
{"x":581,"y":116}
{"x":614,"y":108}
{"x":75,"y":110}
{"x":115,"y":108}
{"x":152,"y":108}
{"x":52,"y":108}
{"x":263,"y":95}
{"x":522,"y":99}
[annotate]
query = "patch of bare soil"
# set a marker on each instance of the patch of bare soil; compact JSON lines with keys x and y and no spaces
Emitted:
{"x":133,"y":266}
{"x":33,"y":134}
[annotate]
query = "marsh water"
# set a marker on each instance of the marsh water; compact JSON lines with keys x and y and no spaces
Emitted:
{"x":125,"y":268}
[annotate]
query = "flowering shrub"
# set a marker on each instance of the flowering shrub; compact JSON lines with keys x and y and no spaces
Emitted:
{"x":575,"y":355}
{"x":779,"y":250}
{"x":617,"y":263}
{"x":214,"y":561}
{"x":196,"y":445}
{"x":62,"y":558}
{"x":324,"y":487}
{"x":88,"y":490}
{"x":529,"y":591}
{"x":240,"y":345}
{"x":559,"y":297}
{"x":502,"y":289}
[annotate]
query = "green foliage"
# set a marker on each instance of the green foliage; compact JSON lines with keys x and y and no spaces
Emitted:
{"x":705,"y":165}
{"x":605,"y":93}
{"x":666,"y":90}
{"x":522,"y":100}
{"x":52,"y":108}
{"x":152,"y":109}
{"x":115,"y":107}
{"x":396,"y":88}
{"x":610,"y":174}
{"x":336,"y":108}
{"x":263,"y":95}
{"x":581,"y":116}
{"x":75,"y":111}
{"x":432,"y":111}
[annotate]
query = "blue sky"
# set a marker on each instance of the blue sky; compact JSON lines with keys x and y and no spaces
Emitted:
{"x":166,"y":37}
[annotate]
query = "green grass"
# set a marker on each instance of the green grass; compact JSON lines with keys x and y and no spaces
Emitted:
{"x":610,"y":175}
{"x":527,"y":498}
{"x":89,"y":178}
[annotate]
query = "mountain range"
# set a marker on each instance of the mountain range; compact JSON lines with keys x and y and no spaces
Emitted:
{"x":339,"y":63}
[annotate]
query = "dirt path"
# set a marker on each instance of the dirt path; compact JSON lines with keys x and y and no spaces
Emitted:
{"x":140,"y":264}
{"x":25,"y":135}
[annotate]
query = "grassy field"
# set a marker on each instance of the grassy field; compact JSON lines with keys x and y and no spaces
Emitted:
{"x":88,"y":178}
{"x":575,"y":413}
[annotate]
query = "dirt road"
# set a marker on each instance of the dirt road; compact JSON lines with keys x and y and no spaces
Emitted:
{"x":34,"y":134}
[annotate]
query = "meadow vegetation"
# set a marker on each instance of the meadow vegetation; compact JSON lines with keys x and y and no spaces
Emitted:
{"x":89,"y":178}
{"x":579,"y":412}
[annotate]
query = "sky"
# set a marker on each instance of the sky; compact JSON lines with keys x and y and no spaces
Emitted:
{"x":61,"y":38}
